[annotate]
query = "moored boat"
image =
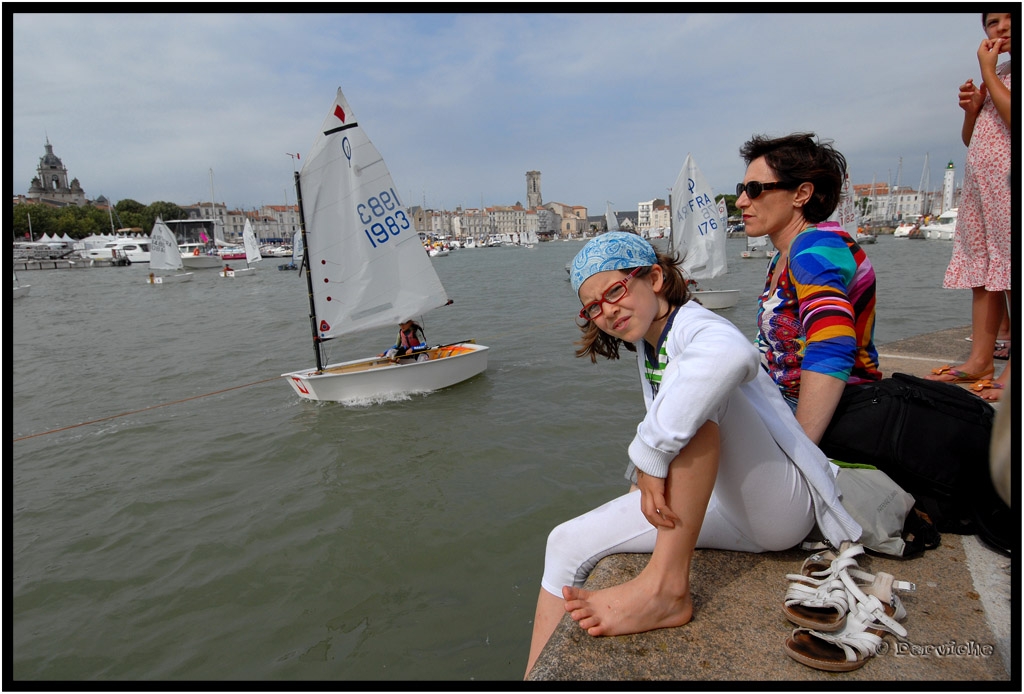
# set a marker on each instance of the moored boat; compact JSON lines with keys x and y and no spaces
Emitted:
{"x":942,"y":228}
{"x":132,"y":250}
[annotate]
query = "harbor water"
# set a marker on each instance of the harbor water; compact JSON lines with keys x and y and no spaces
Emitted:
{"x":178,"y":513}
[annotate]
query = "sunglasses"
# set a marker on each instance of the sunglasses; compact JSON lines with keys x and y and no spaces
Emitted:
{"x":753,"y":189}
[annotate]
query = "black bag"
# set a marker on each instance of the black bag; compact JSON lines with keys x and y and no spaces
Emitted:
{"x":933,"y":439}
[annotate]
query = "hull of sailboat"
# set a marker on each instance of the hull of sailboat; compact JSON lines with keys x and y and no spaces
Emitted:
{"x":169,"y":279}
{"x":866,"y":238}
{"x":380,"y":377}
{"x":716,"y":299}
{"x":22,"y":290}
{"x":239,"y":273}
{"x":201,"y":262}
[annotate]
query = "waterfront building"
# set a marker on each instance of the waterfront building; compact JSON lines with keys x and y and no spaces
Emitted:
{"x":533,"y":197}
{"x":51,"y":187}
{"x":644,"y":211}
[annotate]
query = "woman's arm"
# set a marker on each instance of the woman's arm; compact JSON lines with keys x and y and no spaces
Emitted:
{"x":822,"y":268}
{"x":819,"y":396}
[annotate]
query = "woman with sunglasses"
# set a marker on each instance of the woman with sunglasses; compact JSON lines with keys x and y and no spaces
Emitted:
{"x":717,"y":462}
{"x":816,"y":315}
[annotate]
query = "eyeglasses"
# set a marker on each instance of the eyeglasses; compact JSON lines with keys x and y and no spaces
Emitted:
{"x":754,"y":189}
{"x":612,"y":295}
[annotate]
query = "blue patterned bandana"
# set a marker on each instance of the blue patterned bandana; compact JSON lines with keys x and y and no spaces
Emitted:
{"x":615,"y":250}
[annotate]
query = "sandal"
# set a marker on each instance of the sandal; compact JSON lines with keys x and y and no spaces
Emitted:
{"x":822,"y":603}
{"x":870,"y":617}
{"x":1002,"y":350}
{"x":985,"y":384}
{"x":816,"y":597}
{"x":958,"y":375}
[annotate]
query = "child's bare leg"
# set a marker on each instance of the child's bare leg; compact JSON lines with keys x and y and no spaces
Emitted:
{"x":549,"y":613}
{"x":660,"y":595}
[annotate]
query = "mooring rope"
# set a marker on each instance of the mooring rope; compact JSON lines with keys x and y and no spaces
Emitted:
{"x":143,"y":409}
{"x":197,"y":397}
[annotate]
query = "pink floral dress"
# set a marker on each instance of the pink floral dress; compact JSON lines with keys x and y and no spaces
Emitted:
{"x":981,"y":243}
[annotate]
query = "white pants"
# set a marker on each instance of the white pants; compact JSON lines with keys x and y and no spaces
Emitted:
{"x":760,"y":503}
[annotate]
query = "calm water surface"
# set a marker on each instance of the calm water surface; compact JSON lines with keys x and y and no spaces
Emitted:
{"x":179,"y":514}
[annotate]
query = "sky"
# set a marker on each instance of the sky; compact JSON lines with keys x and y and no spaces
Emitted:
{"x":184,"y":107}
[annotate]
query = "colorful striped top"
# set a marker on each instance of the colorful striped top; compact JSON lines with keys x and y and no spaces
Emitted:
{"x":822,"y":314}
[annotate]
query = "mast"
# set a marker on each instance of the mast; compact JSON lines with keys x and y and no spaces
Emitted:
{"x":923,"y":187}
{"x":309,"y":278}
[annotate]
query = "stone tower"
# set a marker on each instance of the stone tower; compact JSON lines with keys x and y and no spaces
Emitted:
{"x":533,"y":199}
{"x":51,"y":182}
{"x":948,"y":186}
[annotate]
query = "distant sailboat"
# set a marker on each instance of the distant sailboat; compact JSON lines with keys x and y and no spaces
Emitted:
{"x":757,"y":247}
{"x":165,"y":264}
{"x":610,"y":220}
{"x":252,"y":254}
{"x":296,"y":253}
{"x":698,"y":235}
{"x":20,"y":289}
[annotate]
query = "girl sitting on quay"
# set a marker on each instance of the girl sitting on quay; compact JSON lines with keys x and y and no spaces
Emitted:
{"x":719,"y":461}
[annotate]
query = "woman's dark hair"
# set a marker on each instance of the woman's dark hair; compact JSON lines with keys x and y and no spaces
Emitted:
{"x":798,"y":158}
{"x":595,"y":341}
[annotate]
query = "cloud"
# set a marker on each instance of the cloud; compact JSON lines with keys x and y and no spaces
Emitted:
{"x":606,"y":106}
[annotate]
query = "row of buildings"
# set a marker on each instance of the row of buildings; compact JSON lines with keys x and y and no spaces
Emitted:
{"x":878,"y":205}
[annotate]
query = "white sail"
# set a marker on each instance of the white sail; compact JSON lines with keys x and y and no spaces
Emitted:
{"x":163,"y":248}
{"x":845,"y":213}
{"x":366,"y":261}
{"x":297,"y":248}
{"x":697,"y":231}
{"x":610,"y":220}
{"x":252,"y":248}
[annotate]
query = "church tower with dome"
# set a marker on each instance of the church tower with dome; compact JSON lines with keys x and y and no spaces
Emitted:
{"x":50,"y":186}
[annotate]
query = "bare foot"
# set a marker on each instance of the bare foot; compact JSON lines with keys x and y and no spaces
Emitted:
{"x":629,"y":608}
{"x":990,"y":390}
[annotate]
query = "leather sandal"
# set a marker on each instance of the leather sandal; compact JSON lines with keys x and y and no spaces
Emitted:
{"x":816,"y":597}
{"x":848,"y":649}
{"x":823,"y":604}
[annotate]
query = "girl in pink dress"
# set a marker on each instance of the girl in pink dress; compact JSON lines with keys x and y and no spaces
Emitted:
{"x":981,"y":244}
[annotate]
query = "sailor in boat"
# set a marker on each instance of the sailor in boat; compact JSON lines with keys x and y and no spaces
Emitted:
{"x":410,"y":339}
{"x":228,"y":268}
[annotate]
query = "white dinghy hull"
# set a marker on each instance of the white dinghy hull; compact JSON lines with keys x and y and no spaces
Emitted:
{"x":716,"y":299}
{"x":379,"y":377}
{"x":169,"y":279}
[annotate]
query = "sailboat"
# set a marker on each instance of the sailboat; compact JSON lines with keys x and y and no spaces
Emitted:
{"x":296,"y":253}
{"x":698,"y":235}
{"x":756,"y":248}
{"x":366,"y":269}
{"x":252,"y":254}
{"x":164,"y":256}
{"x":20,"y":290}
{"x":610,"y":220}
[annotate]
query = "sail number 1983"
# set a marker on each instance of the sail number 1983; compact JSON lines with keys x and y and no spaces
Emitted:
{"x":385,"y":215}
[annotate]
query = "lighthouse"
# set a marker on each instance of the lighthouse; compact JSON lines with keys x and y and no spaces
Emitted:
{"x":948,"y":186}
